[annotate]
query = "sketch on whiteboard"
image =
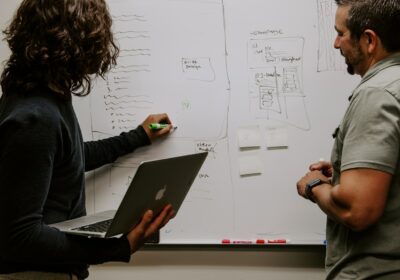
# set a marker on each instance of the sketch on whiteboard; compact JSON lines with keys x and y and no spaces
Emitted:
{"x":122,"y":99}
{"x":329,"y":59}
{"x":275,"y":80}
{"x":203,"y":146}
{"x":198,"y":69}
{"x":163,"y":68}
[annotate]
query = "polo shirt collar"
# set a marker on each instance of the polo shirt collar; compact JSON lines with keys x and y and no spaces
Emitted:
{"x":387,"y":62}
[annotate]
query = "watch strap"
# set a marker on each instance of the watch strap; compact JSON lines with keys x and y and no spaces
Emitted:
{"x":312,"y":184}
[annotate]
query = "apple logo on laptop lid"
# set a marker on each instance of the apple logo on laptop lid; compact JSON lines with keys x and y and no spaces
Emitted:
{"x":160,"y":193}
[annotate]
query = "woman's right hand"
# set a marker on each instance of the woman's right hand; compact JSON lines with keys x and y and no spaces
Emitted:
{"x":148,"y":226}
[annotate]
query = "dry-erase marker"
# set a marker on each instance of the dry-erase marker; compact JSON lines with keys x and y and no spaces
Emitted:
{"x":242,"y":242}
{"x":278,"y":241}
{"x":228,"y":241}
{"x":155,"y":126}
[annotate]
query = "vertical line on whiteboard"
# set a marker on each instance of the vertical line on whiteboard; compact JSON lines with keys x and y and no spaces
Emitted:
{"x":227,"y":118}
{"x":227,"y":72}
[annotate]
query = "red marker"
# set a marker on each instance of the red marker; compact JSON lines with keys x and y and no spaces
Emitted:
{"x":278,"y":241}
{"x":242,"y":242}
{"x":258,"y":241}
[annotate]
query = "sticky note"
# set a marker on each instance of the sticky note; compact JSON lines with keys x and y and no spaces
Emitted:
{"x":277,"y":138}
{"x":250,"y":165}
{"x":249,"y":137}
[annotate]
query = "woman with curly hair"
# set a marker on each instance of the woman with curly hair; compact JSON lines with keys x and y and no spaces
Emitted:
{"x":57,"y":47}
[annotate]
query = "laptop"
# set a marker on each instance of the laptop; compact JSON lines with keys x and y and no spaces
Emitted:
{"x":156,"y":183}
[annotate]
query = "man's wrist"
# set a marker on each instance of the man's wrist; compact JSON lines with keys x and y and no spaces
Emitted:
{"x":311,"y":185}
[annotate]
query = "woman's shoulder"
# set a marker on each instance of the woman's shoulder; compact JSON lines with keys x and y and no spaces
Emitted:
{"x":32,"y":109}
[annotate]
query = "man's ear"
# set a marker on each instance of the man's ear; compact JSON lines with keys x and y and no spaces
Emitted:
{"x":370,"y":40}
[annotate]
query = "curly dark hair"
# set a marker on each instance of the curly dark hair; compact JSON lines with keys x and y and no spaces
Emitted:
{"x":59,"y":45}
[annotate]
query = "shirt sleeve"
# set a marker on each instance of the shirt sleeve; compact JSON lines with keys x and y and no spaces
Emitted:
{"x":28,"y":150}
{"x":98,"y":153}
{"x":372,"y":132}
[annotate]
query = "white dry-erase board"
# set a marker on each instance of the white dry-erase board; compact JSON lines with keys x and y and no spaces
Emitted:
{"x":256,"y":83}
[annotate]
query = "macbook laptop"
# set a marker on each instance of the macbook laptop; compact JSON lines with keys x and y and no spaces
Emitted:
{"x":156,"y":183}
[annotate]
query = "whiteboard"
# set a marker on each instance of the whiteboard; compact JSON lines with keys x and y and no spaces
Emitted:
{"x":256,"y":83}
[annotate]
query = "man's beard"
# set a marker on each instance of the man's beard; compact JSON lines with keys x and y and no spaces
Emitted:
{"x":357,"y":58}
{"x":350,"y":69}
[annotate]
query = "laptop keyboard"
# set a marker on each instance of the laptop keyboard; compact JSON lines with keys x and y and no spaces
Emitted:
{"x":96,"y":227}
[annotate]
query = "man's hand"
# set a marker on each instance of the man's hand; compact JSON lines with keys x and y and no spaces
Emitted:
{"x":320,"y":170}
{"x":323,"y":166}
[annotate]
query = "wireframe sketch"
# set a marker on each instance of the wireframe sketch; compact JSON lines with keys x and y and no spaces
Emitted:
{"x":275,"y":80}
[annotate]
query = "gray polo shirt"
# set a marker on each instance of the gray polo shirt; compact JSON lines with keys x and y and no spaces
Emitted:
{"x":369,"y":137}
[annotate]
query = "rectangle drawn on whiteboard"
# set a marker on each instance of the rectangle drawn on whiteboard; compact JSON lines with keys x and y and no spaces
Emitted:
{"x":276,"y":78}
{"x":163,"y":68}
{"x":172,"y":59}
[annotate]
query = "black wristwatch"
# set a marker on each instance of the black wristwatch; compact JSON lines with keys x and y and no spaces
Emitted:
{"x":312,"y":184}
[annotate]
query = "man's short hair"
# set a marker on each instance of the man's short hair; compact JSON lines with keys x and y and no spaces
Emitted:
{"x":381,"y":16}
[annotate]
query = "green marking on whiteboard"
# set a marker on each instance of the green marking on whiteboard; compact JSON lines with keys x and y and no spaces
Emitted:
{"x":186,"y":105}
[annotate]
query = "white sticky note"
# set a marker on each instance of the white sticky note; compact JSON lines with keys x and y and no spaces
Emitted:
{"x":250,"y":165}
{"x":249,"y":137}
{"x":277,"y":137}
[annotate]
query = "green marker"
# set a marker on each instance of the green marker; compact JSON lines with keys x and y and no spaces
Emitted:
{"x":155,"y":126}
